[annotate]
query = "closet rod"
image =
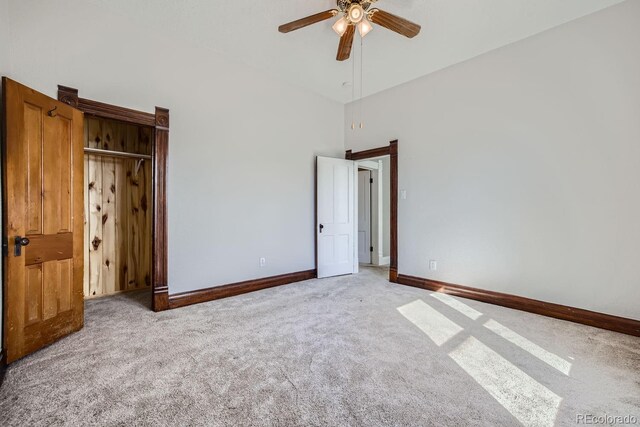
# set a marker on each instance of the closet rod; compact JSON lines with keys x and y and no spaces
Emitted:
{"x":112,"y":153}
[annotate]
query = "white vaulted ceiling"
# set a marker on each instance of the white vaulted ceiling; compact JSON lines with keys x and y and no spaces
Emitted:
{"x":452,"y":31}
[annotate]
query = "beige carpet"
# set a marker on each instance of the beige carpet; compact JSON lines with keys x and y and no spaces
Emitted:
{"x":352,"y":350}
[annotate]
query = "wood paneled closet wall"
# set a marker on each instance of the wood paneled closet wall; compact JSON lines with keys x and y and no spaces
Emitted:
{"x":117,"y":208}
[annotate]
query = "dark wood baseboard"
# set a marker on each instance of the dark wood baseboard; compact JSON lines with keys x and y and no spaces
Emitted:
{"x":572,"y":314}
{"x":393,"y":275}
{"x":160,"y":300}
{"x":217,"y":292}
{"x":3,"y":365}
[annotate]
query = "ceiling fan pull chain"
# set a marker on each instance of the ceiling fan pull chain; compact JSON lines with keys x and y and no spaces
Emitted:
{"x":361,"y":79}
{"x":353,"y":92}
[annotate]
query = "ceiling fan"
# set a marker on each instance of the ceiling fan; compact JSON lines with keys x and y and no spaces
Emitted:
{"x":355,"y":13}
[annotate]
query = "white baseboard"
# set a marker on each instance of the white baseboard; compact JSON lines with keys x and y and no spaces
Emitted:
{"x":385,"y":260}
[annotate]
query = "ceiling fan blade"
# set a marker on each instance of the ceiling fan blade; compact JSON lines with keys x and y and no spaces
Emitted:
{"x":301,"y":23}
{"x":394,"y":23}
{"x":344,"y":48}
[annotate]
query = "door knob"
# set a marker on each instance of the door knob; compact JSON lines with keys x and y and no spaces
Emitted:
{"x":321,"y":227}
{"x":19,"y":243}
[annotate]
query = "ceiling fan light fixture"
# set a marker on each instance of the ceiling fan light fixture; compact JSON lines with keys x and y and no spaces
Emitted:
{"x":352,"y":14}
{"x":364,"y":27}
{"x":340,"y":26}
{"x":356,"y":13}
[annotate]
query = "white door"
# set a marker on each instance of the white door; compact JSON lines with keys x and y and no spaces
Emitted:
{"x":335,"y":216}
{"x":364,"y":216}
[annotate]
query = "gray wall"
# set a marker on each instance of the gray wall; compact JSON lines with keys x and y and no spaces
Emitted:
{"x":522,"y":165}
{"x":242,"y":143}
{"x":4,"y":70}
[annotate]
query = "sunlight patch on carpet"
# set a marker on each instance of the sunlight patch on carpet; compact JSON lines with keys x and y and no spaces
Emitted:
{"x":457,"y":305}
{"x":437,"y":326}
{"x":532,"y":348}
{"x":527,"y":400}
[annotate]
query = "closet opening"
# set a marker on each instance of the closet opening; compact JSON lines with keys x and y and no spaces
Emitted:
{"x":126,"y":238}
{"x":117,"y":207}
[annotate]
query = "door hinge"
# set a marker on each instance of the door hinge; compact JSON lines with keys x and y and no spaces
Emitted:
{"x":371,"y":249}
{"x":370,"y":180}
{"x":5,"y":246}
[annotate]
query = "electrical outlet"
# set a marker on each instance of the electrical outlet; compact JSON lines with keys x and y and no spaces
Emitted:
{"x":403,"y":194}
{"x":433,"y":265}
{"x":263,"y":262}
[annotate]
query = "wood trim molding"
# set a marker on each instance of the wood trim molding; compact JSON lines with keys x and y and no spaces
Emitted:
{"x":224,"y":291}
{"x":3,"y":139}
{"x":367,"y":154}
{"x":159,"y":121}
{"x":572,"y":314}
{"x":393,"y":229}
{"x":3,"y":365}
{"x":69,"y":96}
{"x":159,"y":267}
{"x":392,"y":151}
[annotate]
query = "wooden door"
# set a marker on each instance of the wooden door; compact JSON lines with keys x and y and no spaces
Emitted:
{"x":335,"y":216}
{"x":43,"y":224}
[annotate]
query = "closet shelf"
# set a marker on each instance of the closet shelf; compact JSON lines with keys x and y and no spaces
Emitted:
{"x":112,"y":153}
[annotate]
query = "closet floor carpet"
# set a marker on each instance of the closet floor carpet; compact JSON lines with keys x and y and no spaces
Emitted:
{"x":353,"y":350}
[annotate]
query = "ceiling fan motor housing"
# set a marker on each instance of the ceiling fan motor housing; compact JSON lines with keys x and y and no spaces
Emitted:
{"x":345,"y":5}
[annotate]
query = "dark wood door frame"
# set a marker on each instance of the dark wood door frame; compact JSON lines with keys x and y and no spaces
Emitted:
{"x":392,"y":151}
{"x":159,"y":121}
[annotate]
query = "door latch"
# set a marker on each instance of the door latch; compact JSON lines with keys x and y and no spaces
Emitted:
{"x":19,"y":242}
